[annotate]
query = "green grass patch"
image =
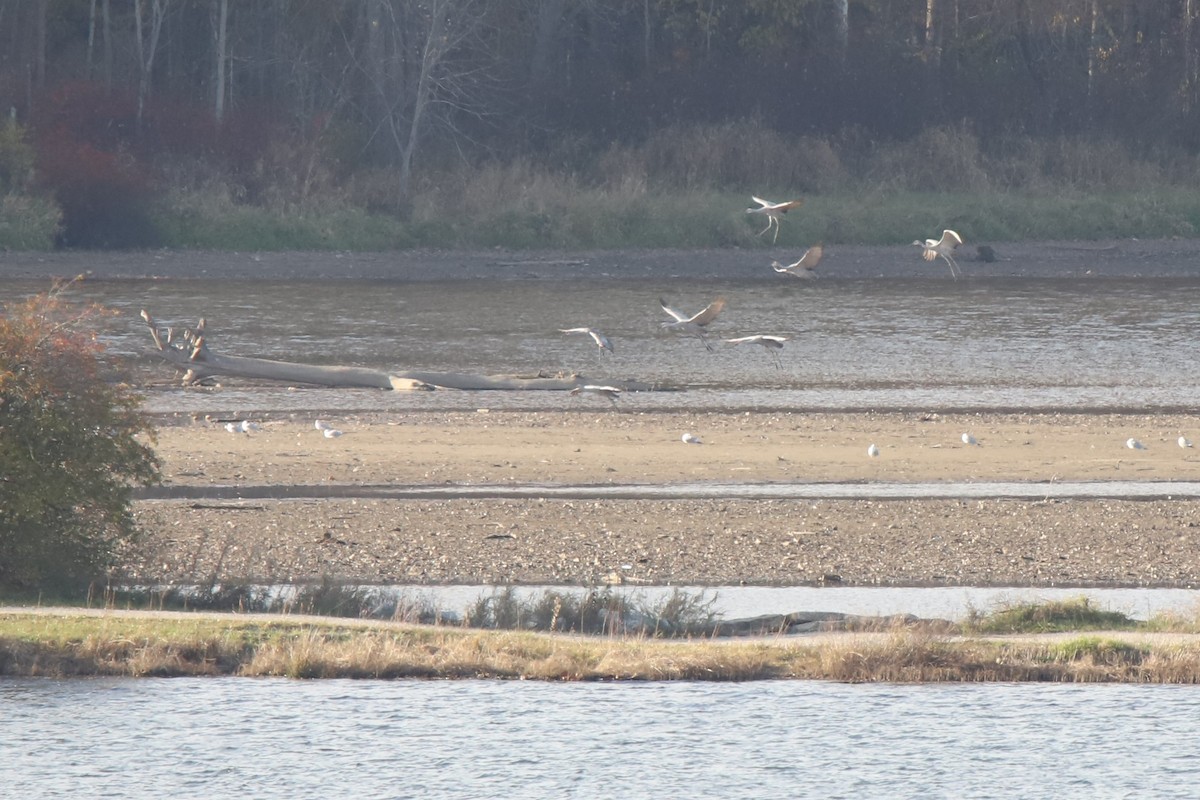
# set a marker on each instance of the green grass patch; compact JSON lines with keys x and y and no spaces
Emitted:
{"x":1050,"y":617}
{"x":28,"y":222}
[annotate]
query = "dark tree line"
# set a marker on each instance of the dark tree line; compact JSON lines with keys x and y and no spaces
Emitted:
{"x":397,"y":82}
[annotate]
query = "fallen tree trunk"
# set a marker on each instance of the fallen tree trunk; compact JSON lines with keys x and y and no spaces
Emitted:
{"x":187,"y":350}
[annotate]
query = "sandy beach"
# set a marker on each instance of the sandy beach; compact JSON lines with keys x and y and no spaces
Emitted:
{"x":678,"y":541}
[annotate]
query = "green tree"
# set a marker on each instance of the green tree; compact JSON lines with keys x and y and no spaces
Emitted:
{"x":72,"y":444}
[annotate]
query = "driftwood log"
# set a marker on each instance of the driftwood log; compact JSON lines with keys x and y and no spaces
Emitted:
{"x":187,"y":350}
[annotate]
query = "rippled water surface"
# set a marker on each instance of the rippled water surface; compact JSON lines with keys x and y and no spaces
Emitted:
{"x":1013,"y":343}
{"x":232,"y":737}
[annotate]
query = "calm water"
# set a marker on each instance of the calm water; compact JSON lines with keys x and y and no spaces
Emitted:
{"x":1011,"y":343}
{"x":231,"y":737}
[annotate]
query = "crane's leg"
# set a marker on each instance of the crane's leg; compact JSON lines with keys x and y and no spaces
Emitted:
{"x":950,"y":263}
{"x":776,"y":221}
{"x":764,"y":230}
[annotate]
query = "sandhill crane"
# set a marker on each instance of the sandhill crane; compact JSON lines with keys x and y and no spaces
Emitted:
{"x":804,"y":268}
{"x":773,"y":212}
{"x":693,"y":325}
{"x":611,"y":392}
{"x":599,"y":338}
{"x":773,"y":344}
{"x":944,"y":247}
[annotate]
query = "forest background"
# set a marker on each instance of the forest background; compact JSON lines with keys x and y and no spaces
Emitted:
{"x":382,"y":124}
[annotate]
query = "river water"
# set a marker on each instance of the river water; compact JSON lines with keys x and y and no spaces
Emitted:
{"x":1009,"y":343}
{"x":274,"y":738}
{"x":988,"y":343}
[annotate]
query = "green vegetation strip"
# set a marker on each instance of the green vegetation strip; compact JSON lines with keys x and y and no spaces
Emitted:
{"x":70,"y":644}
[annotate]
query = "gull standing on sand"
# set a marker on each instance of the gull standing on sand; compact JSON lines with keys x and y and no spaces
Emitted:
{"x":695,"y":324}
{"x":944,"y":247}
{"x":1184,"y":441}
{"x":873,"y":450}
{"x":773,"y":344}
{"x":806,"y":266}
{"x":599,"y":338}
{"x":969,"y":440}
{"x":690,"y":438}
{"x":322,"y":425}
{"x":773,"y":212}
{"x":1134,"y":444}
{"x":611,"y":392}
{"x":331,"y":433}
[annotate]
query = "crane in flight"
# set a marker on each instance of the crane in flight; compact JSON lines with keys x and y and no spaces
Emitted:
{"x":693,"y":325}
{"x":944,"y":247}
{"x":599,"y":338}
{"x":773,"y":212}
{"x":772,"y":343}
{"x":806,"y":266}
{"x":611,"y":392}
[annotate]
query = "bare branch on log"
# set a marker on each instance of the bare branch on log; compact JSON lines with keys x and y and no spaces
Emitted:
{"x":187,"y":350}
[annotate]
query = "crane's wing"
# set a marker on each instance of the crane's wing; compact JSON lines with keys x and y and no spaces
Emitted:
{"x":762,"y":203}
{"x":759,"y":338}
{"x":600,"y":339}
{"x":951,"y":238}
{"x":677,"y":316}
{"x":709,"y":313}
{"x":811,"y":257}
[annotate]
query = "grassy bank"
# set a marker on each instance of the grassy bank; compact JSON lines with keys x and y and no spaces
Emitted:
{"x":597,"y":219}
{"x":69,"y":643}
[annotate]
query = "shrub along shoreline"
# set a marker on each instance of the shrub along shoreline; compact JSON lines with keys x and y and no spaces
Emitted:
{"x":70,"y":643}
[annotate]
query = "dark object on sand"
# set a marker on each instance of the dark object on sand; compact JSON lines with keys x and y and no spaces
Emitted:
{"x":985,"y":252}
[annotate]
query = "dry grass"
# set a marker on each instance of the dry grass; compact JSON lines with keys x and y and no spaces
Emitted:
{"x":162,"y":645}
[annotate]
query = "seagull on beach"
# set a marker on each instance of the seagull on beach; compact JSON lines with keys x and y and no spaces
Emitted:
{"x":773,"y":344}
{"x":695,"y":324}
{"x":690,"y":438}
{"x":331,"y":433}
{"x":322,"y":425}
{"x":234,"y":427}
{"x":873,"y":450}
{"x":599,"y":338}
{"x":773,"y":212}
{"x":806,"y":266}
{"x":1134,"y":444}
{"x":944,"y":247}
{"x":611,"y":392}
{"x":969,"y":440}
{"x":1184,"y":441}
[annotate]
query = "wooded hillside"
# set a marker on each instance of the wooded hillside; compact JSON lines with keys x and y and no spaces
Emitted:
{"x":121,"y":91}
